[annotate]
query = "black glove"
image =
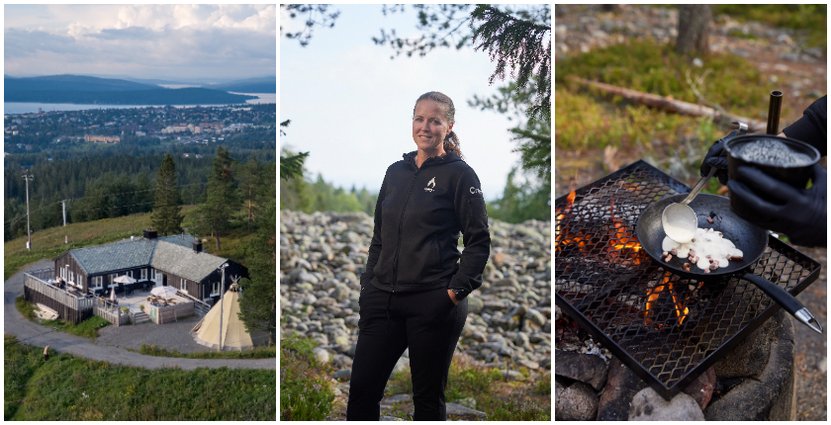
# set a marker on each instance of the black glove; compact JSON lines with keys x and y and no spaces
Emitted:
{"x":717,"y":158}
{"x":778,"y":206}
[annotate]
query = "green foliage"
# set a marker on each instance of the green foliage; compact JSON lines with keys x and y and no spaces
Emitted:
{"x":111,"y":195}
{"x":69,"y":388}
{"x":87,"y":329}
{"x":519,"y":45}
{"x":167,"y":214}
{"x":521,"y":201}
{"x":500,"y":398}
{"x":222,"y":199}
{"x":258,"y":303}
{"x":305,"y":389}
{"x":320,"y":195}
{"x":808,"y":19}
{"x":18,"y":367}
{"x":291,"y":166}
{"x":25,"y":308}
{"x":257,"y":353}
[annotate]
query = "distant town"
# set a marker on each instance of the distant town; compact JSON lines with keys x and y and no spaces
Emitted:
{"x":174,"y":125}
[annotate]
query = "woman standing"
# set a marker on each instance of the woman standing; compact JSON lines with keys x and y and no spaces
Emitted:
{"x":415,"y":283}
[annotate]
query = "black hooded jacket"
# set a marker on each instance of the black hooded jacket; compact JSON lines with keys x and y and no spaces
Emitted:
{"x":418,"y":218}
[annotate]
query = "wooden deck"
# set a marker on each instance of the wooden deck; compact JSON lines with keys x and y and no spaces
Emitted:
{"x":70,"y":307}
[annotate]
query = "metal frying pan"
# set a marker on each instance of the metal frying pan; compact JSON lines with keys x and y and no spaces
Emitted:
{"x":750,"y":239}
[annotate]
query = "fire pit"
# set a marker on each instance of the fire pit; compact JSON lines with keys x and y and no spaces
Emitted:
{"x":668,"y":330}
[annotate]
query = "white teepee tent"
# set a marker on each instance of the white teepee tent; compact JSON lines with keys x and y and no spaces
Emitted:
{"x":234,"y":335}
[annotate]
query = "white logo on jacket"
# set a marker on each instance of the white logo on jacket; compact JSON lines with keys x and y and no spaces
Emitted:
{"x":431,"y":185}
{"x":475,"y":191}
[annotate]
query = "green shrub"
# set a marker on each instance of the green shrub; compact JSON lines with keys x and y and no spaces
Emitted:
{"x":305,"y":387}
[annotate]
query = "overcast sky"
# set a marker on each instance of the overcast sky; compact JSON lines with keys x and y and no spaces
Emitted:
{"x":351,"y":106}
{"x":194,"y":43}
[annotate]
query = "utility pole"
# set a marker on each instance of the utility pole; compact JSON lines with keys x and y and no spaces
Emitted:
{"x":63,"y":208}
{"x":28,"y":177}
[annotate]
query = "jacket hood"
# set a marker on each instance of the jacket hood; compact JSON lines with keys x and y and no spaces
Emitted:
{"x":448,"y":158}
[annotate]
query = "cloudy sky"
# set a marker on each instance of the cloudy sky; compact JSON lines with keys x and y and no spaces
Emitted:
{"x":351,"y":106}
{"x":199,"y":43}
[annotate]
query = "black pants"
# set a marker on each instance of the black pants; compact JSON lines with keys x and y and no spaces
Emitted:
{"x":429,"y":324}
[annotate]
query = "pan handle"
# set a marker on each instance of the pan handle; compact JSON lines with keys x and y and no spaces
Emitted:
{"x":786,"y":300}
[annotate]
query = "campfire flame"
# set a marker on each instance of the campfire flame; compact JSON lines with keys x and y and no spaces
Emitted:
{"x":621,"y":241}
{"x":623,"y":248}
{"x":654,"y":293}
{"x":563,"y":214}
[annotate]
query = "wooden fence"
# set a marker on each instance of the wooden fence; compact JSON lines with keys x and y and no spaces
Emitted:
{"x":170,"y":313}
{"x":111,"y":313}
{"x":70,"y":307}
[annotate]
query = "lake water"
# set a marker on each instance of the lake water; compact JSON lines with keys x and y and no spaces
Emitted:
{"x":30,"y":107}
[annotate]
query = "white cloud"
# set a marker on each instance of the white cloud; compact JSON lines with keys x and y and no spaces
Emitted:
{"x":151,"y":41}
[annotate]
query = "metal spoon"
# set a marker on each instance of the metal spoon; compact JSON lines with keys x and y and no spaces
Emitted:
{"x":678,"y":219}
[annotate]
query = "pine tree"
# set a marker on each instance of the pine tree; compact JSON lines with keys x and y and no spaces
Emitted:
{"x":251,"y":179}
{"x":167,"y":214}
{"x":221,"y":201}
{"x":258,"y":303}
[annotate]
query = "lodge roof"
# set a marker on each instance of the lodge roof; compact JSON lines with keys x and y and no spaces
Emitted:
{"x":171,"y":254}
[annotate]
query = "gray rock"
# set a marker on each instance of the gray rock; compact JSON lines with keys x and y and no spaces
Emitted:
{"x":586,"y":368}
{"x":343,"y":375}
{"x":474,"y":304}
{"x":648,"y":405}
{"x":396,"y":398}
{"x":321,"y":355}
{"x":458,"y":412}
{"x":622,"y":384}
{"x":576,"y":402}
{"x":536,"y":317}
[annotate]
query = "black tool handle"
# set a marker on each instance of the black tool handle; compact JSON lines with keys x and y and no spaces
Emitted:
{"x":773,"y":112}
{"x":786,"y":300}
{"x":781,"y":296}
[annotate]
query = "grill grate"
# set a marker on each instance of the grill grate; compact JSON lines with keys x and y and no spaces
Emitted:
{"x":606,"y":282}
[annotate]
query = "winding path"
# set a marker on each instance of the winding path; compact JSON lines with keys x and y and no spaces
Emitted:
{"x":31,"y":333}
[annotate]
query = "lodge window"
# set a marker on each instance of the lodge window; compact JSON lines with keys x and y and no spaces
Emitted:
{"x":98,"y":282}
{"x":183,"y":285}
{"x":143,"y":274}
{"x":112,"y":278}
{"x":215,"y":288}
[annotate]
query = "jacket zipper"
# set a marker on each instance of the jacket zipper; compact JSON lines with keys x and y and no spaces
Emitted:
{"x":400,"y":225}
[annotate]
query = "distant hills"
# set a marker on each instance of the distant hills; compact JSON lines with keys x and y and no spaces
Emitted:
{"x":249,"y":85}
{"x":95,"y":90}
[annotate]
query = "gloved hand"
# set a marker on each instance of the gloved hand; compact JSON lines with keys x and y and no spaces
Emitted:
{"x":717,"y":158}
{"x":778,"y":206}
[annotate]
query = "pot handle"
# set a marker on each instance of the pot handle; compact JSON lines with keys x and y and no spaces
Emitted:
{"x":786,"y":300}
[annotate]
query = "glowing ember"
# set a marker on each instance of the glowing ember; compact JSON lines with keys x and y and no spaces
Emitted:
{"x":653,"y":294}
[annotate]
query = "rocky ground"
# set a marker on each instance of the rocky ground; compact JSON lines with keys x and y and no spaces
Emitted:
{"x":509,"y":325}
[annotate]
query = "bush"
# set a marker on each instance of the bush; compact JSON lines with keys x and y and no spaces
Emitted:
{"x":305,"y":387}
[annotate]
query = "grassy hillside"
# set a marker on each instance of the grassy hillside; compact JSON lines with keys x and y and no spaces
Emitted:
{"x":68,"y":388}
{"x":49,"y":243}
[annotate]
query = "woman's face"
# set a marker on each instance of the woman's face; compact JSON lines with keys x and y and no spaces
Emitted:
{"x":430,"y":126}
